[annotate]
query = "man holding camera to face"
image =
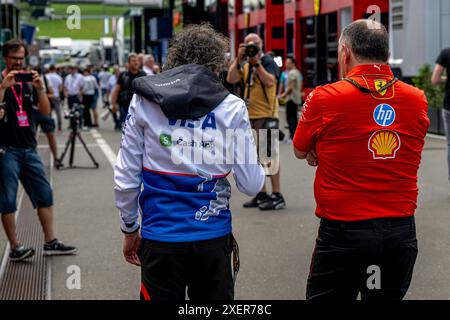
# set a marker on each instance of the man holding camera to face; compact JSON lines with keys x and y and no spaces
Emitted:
{"x":19,"y":160}
{"x":257,"y":73}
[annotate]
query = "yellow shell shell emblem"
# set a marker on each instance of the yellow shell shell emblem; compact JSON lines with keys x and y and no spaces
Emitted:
{"x":384,"y":144}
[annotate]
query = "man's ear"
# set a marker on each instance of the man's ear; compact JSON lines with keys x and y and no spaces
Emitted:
{"x":347,"y":54}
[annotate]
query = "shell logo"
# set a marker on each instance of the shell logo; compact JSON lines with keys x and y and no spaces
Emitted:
{"x":384,"y":144}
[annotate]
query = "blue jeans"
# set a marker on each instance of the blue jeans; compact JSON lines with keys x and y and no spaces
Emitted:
{"x":104,"y":96}
{"x":123,"y":115}
{"x":446,"y":117}
{"x":24,"y":165}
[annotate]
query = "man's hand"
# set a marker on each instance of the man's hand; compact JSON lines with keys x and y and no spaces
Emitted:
{"x":9,"y":80}
{"x":241,"y":52}
{"x":114,"y":108}
{"x":131,"y":244}
{"x":2,"y":113}
{"x":37,"y":83}
{"x":311,"y":158}
{"x":254,"y":60}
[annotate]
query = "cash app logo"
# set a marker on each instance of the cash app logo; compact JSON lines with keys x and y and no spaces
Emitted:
{"x":165,"y":140}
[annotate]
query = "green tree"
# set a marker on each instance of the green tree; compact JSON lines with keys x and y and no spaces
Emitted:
{"x":435,"y":94}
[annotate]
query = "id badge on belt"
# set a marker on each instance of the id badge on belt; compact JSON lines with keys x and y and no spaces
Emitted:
{"x":22,"y":118}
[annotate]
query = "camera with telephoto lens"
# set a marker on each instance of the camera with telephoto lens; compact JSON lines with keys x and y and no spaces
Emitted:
{"x":251,"y":50}
{"x":74,"y":116}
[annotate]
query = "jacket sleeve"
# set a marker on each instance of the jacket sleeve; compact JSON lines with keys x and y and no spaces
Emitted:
{"x":128,"y":169}
{"x":248,"y":173}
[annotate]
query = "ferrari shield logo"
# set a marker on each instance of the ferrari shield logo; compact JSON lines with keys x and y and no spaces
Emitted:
{"x":380,"y":83}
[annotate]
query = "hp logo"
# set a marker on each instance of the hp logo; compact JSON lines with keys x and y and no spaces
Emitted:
{"x":384,"y":115}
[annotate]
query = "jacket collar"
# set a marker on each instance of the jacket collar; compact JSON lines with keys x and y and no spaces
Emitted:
{"x":371,"y":69}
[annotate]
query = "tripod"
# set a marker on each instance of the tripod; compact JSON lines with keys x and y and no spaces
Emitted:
{"x":71,"y":142}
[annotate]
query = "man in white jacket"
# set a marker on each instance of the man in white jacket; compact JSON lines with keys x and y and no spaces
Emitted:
{"x":183,"y":135}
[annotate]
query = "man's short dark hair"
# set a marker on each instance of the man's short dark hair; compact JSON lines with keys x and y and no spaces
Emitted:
{"x":13,"y":45}
{"x":198,"y":44}
{"x":369,"y":40}
{"x":292,"y":59}
{"x":52,"y":68}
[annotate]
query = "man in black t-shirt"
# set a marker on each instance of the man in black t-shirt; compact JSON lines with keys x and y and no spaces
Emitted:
{"x":443,"y":63}
{"x":122,"y":94}
{"x":19,"y":159}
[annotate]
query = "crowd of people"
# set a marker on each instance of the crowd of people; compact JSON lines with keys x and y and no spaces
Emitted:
{"x":92,"y":86}
{"x":29,"y":103}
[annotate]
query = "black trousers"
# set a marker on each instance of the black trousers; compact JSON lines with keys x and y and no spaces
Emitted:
{"x":71,"y":100}
{"x":203,"y":267}
{"x":375,"y":258}
{"x":88,"y":100}
{"x":292,"y":117}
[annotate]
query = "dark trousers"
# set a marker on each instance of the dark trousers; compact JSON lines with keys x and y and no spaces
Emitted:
{"x":292,"y":117}
{"x":71,"y":100}
{"x":123,"y":115}
{"x":203,"y":267}
{"x":350,"y":257}
{"x":88,"y":100}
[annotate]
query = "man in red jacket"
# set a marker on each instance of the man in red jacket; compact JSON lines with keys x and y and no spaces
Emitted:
{"x":365,"y":134}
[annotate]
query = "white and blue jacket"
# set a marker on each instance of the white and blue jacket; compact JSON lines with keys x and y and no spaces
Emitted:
{"x":183,"y":135}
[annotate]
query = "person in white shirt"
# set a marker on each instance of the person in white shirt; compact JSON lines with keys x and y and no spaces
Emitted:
{"x":149,"y":64}
{"x":104,"y":77}
{"x":73,"y":87}
{"x":113,"y":80}
{"x":56,"y":82}
{"x":89,"y":101}
{"x":111,"y":84}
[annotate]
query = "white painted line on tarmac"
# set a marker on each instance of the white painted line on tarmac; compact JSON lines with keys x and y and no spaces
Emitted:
{"x":96,"y":135}
{"x":104,"y":146}
{"x":435,"y":136}
{"x":48,"y":292}
{"x":62,"y":146}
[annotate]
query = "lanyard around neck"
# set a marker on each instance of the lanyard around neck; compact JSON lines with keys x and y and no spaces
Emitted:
{"x":19,"y":97}
{"x":367,"y":90}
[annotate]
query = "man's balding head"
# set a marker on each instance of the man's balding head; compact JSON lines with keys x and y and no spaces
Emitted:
{"x":253,"y":38}
{"x":362,"y":42}
{"x":368,"y":40}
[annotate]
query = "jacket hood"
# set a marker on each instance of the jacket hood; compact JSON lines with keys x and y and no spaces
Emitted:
{"x":185,"y":92}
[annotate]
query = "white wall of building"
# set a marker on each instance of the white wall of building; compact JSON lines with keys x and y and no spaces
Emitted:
{"x":425,"y":32}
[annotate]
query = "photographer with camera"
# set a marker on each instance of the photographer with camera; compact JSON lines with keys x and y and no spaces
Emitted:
{"x":19,"y":158}
{"x":257,"y":73}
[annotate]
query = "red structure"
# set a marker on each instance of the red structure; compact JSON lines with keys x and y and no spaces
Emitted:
{"x":306,"y":29}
